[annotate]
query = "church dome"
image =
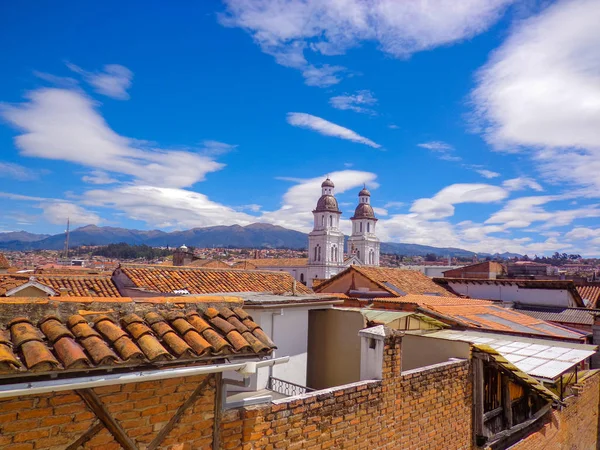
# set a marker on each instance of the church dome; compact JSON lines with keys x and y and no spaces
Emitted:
{"x":327,"y":203}
{"x":327,"y":183}
{"x":363,"y":211}
{"x":364,"y":192}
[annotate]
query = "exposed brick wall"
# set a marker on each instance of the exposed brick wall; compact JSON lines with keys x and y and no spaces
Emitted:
{"x":422,"y":409}
{"x":56,"y":420}
{"x":575,"y":427}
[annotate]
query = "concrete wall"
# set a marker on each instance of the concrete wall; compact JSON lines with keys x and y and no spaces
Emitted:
{"x":333,"y":347}
{"x":512,"y":293}
{"x":420,"y":351}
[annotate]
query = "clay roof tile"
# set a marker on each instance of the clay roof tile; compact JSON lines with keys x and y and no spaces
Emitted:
{"x":70,"y":353}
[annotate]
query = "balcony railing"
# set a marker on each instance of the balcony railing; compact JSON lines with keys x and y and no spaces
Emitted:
{"x":286,"y":387}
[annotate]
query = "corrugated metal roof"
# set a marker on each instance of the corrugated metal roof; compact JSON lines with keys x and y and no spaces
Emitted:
{"x":540,"y":358}
{"x":581,"y":316}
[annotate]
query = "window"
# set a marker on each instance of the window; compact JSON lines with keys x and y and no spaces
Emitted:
{"x":368,"y":227}
{"x":333,"y":253}
{"x":302,"y":278}
{"x":315,"y":255}
{"x":358,"y":254}
{"x":322,"y":221}
{"x":319,"y":253}
{"x":361,"y":227}
{"x":336,"y":253}
{"x":330,"y":221}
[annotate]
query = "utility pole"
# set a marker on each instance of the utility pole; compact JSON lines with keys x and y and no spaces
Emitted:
{"x":66,"y":250}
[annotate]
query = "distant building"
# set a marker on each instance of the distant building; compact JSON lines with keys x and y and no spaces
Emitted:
{"x":485,"y":270}
{"x":326,"y":241}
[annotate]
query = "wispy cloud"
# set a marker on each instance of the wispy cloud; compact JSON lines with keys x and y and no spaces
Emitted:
{"x":113,"y":80}
{"x":18,"y":172}
{"x":487,"y":173}
{"x":290,"y":29}
{"x":98,"y":177}
{"x":327,"y":128}
{"x":520,"y":183}
{"x":359,"y":102}
{"x":442,"y":149}
{"x":63,"y":124}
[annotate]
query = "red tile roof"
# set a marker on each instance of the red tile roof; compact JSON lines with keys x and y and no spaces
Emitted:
{"x":392,"y":280}
{"x":591,"y":293}
{"x":212,"y":263}
{"x":478,"y":314}
{"x":140,"y":337}
{"x":209,"y":281}
{"x":277,"y":262}
{"x":65,"y":285}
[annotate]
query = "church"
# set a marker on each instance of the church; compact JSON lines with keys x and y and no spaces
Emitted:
{"x":326,"y":256}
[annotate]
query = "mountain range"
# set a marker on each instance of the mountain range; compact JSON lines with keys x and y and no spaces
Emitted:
{"x":257,"y":235}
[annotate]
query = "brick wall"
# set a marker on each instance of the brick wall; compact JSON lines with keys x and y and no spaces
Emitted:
{"x":56,"y":420}
{"x":420,"y":409}
{"x":575,"y":427}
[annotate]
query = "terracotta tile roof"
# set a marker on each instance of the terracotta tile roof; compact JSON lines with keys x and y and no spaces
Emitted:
{"x":212,"y":263}
{"x":68,"y":286}
{"x":496,"y":318}
{"x":4,"y":264}
{"x":591,"y":293}
{"x":278,"y":262}
{"x":246,"y":265}
{"x":407,"y":281}
{"x":208,"y":281}
{"x":110,"y":340}
{"x":432,"y":300}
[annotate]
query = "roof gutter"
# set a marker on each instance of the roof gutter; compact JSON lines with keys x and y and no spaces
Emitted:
{"x":47,"y":386}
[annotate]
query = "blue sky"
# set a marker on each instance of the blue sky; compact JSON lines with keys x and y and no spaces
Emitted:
{"x":476,"y":127}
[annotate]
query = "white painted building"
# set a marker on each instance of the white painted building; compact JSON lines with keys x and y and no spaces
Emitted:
{"x":364,"y":243}
{"x":326,"y":240}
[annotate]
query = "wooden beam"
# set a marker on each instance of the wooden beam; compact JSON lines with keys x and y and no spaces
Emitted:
{"x":216,"y":445}
{"x":478,"y":393}
{"x":162,"y":434}
{"x":95,"y":404}
{"x":90,"y":433}
{"x":506,"y":402}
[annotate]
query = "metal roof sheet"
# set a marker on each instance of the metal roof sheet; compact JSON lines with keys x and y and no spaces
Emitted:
{"x":582,"y":316}
{"x":539,"y":358}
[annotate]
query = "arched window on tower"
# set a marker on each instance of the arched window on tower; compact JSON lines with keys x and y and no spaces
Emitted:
{"x":361,"y":227}
{"x":330,"y":220}
{"x":315,"y":254}
{"x":319,"y":253}
{"x":336,"y":254}
{"x":333,"y":253}
{"x":358,"y":254}
{"x":368,"y":227}
{"x":323,"y":221}
{"x":302,"y":279}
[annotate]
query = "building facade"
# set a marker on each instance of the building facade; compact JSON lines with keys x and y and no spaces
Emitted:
{"x":326,"y":256}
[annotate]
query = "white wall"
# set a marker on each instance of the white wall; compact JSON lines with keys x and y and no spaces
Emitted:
{"x":512,"y":293}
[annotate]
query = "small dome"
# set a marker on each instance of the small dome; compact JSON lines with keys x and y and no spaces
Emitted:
{"x":183,"y":247}
{"x":327,"y":183}
{"x":363,"y":211}
{"x":327,"y":203}
{"x":364,"y":192}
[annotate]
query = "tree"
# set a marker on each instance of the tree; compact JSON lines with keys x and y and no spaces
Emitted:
{"x":430,"y":257}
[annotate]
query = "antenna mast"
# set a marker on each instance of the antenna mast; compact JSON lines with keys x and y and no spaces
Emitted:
{"x":66,"y":250}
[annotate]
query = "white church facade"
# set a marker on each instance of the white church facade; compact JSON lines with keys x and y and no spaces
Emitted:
{"x":326,"y":256}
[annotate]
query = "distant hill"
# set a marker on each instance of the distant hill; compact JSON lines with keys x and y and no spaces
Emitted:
{"x":256,"y":235}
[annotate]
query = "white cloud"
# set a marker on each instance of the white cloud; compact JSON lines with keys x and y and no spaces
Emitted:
{"x":520,"y":183}
{"x":540,"y":91}
{"x":98,"y":177}
{"x":299,"y":200}
{"x":393,"y":126}
{"x":323,"y":76}
{"x":286,"y":29}
{"x":63,"y":124}
{"x":59,"y":212}
{"x":487,"y":173}
{"x":113,"y":81}
{"x":167,"y":207}
{"x":394,"y":205}
{"x":18,"y":172}
{"x":583,"y":233}
{"x":358,"y":102}
{"x":327,"y":128}
{"x":441,"y":205}
{"x":442,"y":149}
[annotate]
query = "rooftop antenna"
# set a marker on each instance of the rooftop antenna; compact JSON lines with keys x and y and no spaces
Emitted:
{"x":66,"y":250}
